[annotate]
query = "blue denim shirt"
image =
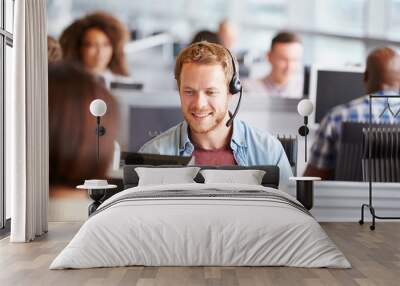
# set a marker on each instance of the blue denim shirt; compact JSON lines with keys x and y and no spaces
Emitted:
{"x":249,"y":145}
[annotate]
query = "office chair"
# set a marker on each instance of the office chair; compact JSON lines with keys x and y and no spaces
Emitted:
{"x":353,"y":153}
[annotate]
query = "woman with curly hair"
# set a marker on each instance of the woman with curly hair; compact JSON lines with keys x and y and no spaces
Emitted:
{"x":97,"y":42}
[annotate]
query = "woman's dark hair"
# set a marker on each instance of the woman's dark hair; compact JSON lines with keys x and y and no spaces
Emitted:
{"x":206,"y":35}
{"x":71,"y":39}
{"x":72,"y":127}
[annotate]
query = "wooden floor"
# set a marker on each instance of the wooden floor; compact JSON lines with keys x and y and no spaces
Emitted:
{"x":374,"y":255}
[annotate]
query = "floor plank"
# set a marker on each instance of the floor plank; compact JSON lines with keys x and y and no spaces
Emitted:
{"x":374,"y":255}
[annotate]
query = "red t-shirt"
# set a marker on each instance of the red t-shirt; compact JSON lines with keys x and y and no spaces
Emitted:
{"x":216,"y":157}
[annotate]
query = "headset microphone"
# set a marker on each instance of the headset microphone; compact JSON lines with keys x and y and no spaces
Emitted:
{"x":235,"y":86}
{"x":230,"y":121}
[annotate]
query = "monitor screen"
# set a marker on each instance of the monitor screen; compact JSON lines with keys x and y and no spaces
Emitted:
{"x":306,"y":81}
{"x":147,"y":122}
{"x":330,"y":88}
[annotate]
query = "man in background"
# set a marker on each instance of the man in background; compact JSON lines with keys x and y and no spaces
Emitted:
{"x":382,"y":74}
{"x":228,"y":34}
{"x":206,"y":35}
{"x":286,"y":76}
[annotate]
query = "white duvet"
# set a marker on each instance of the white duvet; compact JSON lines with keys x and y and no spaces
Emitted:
{"x":200,"y":231}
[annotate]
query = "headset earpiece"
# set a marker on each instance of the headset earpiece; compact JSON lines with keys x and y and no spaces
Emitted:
{"x":234,"y":85}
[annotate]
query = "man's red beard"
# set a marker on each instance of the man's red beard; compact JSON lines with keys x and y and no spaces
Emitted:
{"x":203,"y":121}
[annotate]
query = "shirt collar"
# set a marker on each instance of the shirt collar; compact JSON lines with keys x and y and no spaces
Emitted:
{"x":184,"y":141}
{"x":384,"y":100}
{"x":272,"y":85}
{"x":385,"y":92}
{"x":238,"y":136}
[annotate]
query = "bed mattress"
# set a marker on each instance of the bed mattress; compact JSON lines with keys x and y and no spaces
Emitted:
{"x":201,"y":225}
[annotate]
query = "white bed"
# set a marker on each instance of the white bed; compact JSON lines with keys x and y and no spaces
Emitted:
{"x":248,"y":225}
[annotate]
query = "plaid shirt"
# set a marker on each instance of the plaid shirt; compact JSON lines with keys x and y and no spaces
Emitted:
{"x":326,"y":145}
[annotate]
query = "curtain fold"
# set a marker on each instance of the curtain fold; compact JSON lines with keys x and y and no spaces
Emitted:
{"x":28,"y":123}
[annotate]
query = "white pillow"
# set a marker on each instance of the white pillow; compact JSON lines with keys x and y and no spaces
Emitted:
{"x":163,"y":176}
{"x":249,"y":177}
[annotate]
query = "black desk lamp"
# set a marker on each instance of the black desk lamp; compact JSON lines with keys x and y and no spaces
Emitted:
{"x":304,"y":185}
{"x":98,"y":108}
{"x":305,"y":108}
{"x":97,"y":188}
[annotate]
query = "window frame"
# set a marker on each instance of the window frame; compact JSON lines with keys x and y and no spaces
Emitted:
{"x":6,"y":39}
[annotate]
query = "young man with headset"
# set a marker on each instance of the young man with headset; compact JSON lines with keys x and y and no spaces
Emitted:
{"x":207,"y":79}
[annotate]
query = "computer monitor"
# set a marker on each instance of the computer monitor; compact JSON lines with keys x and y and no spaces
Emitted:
{"x":126,"y":85}
{"x":330,"y":87}
{"x":306,"y":81}
{"x":147,"y":122}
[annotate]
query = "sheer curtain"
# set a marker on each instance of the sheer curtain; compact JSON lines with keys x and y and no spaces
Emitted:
{"x":27,"y":123}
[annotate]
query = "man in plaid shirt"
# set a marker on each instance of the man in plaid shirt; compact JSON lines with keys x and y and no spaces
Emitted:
{"x":382,"y":75}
